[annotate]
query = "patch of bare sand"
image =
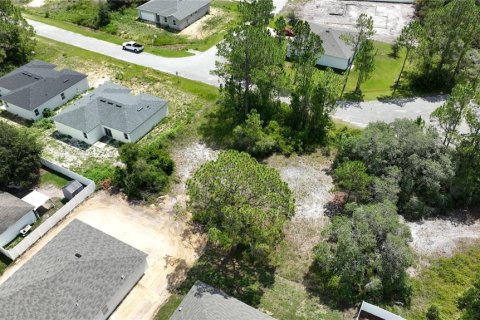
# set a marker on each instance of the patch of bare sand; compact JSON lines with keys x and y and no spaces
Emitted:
{"x":442,"y":237}
{"x":153,"y":230}
{"x":199,"y":29}
{"x":307,"y":176}
{"x":36,"y":3}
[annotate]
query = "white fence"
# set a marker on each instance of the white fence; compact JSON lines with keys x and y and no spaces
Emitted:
{"x":36,"y":234}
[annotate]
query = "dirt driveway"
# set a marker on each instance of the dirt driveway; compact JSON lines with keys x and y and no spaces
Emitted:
{"x":153,"y":230}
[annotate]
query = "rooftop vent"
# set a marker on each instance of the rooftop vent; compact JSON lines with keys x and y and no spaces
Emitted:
{"x":110,"y":103}
{"x":140,"y":109}
{"x":103,"y":100}
{"x":66,"y":80}
{"x":123,"y":277}
{"x":118,"y":106}
{"x":35,"y":77}
{"x":78,"y":255}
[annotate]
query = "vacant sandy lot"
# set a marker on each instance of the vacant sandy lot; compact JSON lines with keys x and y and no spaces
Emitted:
{"x":153,"y":230}
{"x":389,"y":18}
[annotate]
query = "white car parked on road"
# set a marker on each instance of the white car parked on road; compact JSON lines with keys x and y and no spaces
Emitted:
{"x":132,"y":46}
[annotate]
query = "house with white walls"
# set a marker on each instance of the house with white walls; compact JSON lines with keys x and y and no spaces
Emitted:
{"x":111,"y":110}
{"x":29,"y":90}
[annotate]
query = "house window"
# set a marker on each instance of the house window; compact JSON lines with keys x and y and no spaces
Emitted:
{"x":165,"y":19}
{"x":174,"y":22}
{"x":36,"y":112}
{"x":62,"y":95}
{"x":125,"y":136}
{"x":85,"y":135}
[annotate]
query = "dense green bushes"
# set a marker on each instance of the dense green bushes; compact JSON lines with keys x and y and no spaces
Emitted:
{"x":365,"y":256}
{"x":406,"y":163}
{"x":20,"y":153}
{"x":146,"y":170}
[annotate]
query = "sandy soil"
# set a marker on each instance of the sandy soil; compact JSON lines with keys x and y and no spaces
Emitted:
{"x":153,"y":230}
{"x":199,"y":29}
{"x":308,"y":179}
{"x":36,"y":3}
{"x":389,"y":18}
{"x":441,"y":237}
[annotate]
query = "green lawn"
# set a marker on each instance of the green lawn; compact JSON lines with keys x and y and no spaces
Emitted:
{"x":167,"y":309}
{"x":386,"y":73}
{"x":78,"y":16}
{"x":442,"y":283}
{"x":53,"y":178}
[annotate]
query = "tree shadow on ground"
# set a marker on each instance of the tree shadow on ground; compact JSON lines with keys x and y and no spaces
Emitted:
{"x":235,"y":275}
{"x":357,"y":96}
{"x":317,"y":286}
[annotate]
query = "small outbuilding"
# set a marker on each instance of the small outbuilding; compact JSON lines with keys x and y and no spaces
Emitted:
{"x":15,"y":214}
{"x":72,"y":189}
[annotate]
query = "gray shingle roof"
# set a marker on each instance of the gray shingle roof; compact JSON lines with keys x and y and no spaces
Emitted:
{"x":56,"y":284}
{"x":113,"y":106}
{"x":178,"y":9}
{"x":204,"y":302}
{"x":37,"y":82}
{"x":332,"y":43}
{"x":12,"y":209}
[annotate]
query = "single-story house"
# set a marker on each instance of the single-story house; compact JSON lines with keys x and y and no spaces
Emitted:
{"x":15,"y":214}
{"x":204,"y":302}
{"x":37,"y":86}
{"x":82,"y":273}
{"x":174,"y":14}
{"x":111,"y":110}
{"x":337,"y":54}
{"x":371,"y":312}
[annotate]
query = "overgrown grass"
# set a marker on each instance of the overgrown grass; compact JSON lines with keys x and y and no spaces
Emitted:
{"x":442,"y":283}
{"x":79,"y":16}
{"x":56,"y":179}
{"x":167,"y":309}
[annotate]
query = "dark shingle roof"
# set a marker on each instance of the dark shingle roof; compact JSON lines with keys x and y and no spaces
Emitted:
{"x":113,"y":106}
{"x":178,"y":9}
{"x":37,"y":82}
{"x":332,"y":42}
{"x":58,"y":283}
{"x":12,"y":209}
{"x":204,"y":302}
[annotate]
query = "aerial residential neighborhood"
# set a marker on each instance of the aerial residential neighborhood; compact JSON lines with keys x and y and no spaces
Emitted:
{"x":240,"y":160}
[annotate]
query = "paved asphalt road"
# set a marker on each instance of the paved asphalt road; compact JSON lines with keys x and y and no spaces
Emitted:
{"x":362,"y":113}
